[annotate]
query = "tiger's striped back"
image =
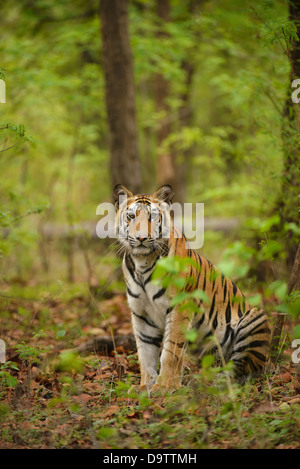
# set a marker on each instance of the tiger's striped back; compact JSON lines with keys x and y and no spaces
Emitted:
{"x":242,"y":332}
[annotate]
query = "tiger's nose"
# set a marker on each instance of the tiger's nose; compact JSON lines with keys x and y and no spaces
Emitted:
{"x":141,"y":238}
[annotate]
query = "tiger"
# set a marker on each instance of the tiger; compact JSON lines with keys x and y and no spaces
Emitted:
{"x":242,"y":332}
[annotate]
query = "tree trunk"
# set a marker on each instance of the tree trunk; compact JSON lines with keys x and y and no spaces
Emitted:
{"x":288,"y":204}
{"x":293,"y":285}
{"x":294,"y":281}
{"x":185,"y":113}
{"x":166,"y":171}
{"x":120,"y":97}
{"x":170,"y":171}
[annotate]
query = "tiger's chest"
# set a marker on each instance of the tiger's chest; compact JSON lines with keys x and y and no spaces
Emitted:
{"x":144,"y":298}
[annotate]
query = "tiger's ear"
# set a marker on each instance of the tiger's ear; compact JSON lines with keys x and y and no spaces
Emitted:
{"x":164,"y":193}
{"x":120,"y":190}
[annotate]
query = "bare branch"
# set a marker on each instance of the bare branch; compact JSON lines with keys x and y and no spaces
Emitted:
{"x":9,"y":148}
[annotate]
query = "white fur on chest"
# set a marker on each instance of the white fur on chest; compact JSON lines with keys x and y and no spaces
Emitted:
{"x":144,"y":298}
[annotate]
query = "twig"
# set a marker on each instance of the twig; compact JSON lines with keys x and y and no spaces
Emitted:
{"x":9,"y":148}
{"x":101,"y":313}
{"x":274,"y":102}
{"x":269,"y":28}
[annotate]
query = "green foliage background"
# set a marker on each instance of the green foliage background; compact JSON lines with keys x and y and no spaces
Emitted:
{"x":52,"y":56}
{"x":60,"y":286}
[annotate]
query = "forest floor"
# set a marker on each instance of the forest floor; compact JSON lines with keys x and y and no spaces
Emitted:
{"x":54,"y":398}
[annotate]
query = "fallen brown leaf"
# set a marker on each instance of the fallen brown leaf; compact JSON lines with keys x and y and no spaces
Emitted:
{"x":113,"y":409}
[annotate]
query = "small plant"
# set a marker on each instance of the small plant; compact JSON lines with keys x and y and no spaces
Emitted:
{"x":29,"y":353}
{"x":4,"y":411}
{"x":69,"y":362}
{"x":6,"y":379}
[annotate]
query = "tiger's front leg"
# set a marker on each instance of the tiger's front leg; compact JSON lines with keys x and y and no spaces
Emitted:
{"x":148,"y":339}
{"x":172,"y":356}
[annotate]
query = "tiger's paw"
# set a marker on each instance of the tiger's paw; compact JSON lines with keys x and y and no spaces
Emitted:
{"x":138,"y":389}
{"x":160,"y":389}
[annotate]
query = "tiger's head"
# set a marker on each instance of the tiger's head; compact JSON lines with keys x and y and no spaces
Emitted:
{"x":143,"y":221}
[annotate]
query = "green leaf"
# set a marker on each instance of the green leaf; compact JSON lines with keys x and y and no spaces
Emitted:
{"x":191,"y":335}
{"x":292,"y":227}
{"x":269,"y":249}
{"x":69,"y":361}
{"x":267,"y":224}
{"x":227,"y":408}
{"x":8,"y":380}
{"x":201,"y":295}
{"x":278,"y":288}
{"x":179,"y":298}
{"x":179,"y":282}
{"x":106,"y":433}
{"x":60,"y":334}
{"x":255,"y":300}
{"x":207,"y":361}
{"x":296,"y":331}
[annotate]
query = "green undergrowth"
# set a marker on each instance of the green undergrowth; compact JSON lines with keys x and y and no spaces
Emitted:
{"x":53,"y":397}
{"x":204,"y":415}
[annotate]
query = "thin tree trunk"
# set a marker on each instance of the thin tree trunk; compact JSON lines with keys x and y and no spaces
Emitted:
{"x":293,"y":285}
{"x":69,"y":208}
{"x":288,"y":204}
{"x":288,"y":200}
{"x":172,"y":167}
{"x":166,"y":171}
{"x":184,"y":120}
{"x":294,"y":281}
{"x":120,"y":96}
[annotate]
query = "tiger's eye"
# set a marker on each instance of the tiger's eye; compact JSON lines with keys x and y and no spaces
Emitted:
{"x":130,"y":216}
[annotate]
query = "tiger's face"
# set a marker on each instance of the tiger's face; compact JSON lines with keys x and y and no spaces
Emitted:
{"x":143,"y":220}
